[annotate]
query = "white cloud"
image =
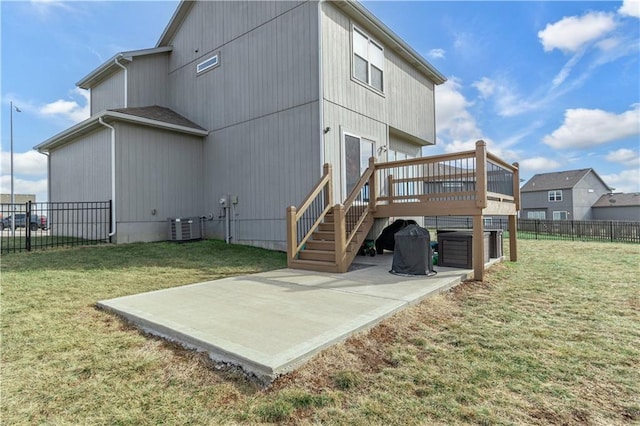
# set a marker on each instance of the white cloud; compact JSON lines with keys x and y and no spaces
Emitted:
{"x":566,"y":69}
{"x":24,"y":186}
{"x":29,"y":163}
{"x":455,"y":125}
{"x":608,"y":44}
{"x":630,"y":8}
{"x":626,"y":181}
{"x":588,"y":127}
{"x":485,"y":86}
{"x":45,"y":8}
{"x":536,"y":164}
{"x":75,"y":109}
{"x":457,"y":129}
{"x":572,"y":33}
{"x":624,"y":156}
{"x":436,"y":53}
{"x":508,"y":102}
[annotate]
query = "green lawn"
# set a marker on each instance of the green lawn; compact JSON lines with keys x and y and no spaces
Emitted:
{"x":551,"y":339}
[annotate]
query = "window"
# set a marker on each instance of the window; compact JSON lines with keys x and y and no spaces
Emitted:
{"x":560,"y":215}
{"x":207,"y":64}
{"x":555,"y":195}
{"x":368,"y":60}
{"x":537,"y":215}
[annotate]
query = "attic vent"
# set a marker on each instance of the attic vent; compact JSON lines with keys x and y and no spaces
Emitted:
{"x":207,"y":64}
{"x":185,"y":229}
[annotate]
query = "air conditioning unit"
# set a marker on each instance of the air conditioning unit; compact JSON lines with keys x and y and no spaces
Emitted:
{"x":185,"y":229}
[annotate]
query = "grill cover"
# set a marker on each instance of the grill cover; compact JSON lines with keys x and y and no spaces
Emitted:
{"x":412,"y":254}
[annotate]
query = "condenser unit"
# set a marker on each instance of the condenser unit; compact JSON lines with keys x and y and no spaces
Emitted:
{"x":185,"y":229}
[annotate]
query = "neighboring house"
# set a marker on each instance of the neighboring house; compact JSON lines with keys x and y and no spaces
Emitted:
{"x":617,"y":207}
{"x":235,"y":110}
{"x":567,"y":195}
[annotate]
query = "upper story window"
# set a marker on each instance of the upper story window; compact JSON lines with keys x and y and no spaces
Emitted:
{"x":555,"y":195}
{"x":368,"y":60}
{"x":207,"y":64}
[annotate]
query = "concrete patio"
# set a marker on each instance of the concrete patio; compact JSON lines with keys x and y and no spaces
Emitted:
{"x":272,"y":322}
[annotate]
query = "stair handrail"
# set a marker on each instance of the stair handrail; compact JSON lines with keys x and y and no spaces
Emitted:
{"x":295,"y":213}
{"x":364,"y":179}
{"x":345,"y":236}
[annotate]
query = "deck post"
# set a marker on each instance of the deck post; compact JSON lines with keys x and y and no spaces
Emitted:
{"x":516,"y":185}
{"x":340,"y":236}
{"x":481,"y":174}
{"x":373,"y":185}
{"x":390,"y":188}
{"x":478,"y":248}
{"x":327,"y":170}
{"x":513,"y":240}
{"x":292,"y":234}
{"x":513,"y":225}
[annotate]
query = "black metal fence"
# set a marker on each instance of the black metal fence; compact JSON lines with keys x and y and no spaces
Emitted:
{"x":31,"y":226}
{"x":537,"y":229}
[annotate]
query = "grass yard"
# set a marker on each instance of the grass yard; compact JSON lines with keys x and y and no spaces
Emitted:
{"x":551,"y":339}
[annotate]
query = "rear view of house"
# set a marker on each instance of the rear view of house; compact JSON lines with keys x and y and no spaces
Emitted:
{"x":235,"y":112}
{"x":243,"y":102}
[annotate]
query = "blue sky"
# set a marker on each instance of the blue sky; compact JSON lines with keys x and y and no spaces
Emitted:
{"x":551,"y":85}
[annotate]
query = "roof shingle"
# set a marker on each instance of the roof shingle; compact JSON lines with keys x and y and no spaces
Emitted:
{"x":556,"y":180}
{"x":159,"y":113}
{"x":618,"y":200}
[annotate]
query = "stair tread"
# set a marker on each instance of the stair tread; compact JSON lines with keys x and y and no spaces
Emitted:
{"x":311,"y":262}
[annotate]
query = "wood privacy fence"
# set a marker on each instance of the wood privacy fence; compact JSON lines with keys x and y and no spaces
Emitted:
{"x":537,"y":229}
{"x":31,"y":226}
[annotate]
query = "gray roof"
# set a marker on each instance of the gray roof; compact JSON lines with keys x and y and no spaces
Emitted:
{"x":618,"y":200}
{"x":558,"y":180}
{"x":159,"y":113}
{"x":151,"y":116}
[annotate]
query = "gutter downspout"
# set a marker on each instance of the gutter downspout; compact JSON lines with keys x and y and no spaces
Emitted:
{"x":48,"y":154}
{"x":320,"y":87}
{"x":126,"y":79}
{"x":113,"y":176}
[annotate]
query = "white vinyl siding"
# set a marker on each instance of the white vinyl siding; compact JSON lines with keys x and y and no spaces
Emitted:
{"x":368,"y":60}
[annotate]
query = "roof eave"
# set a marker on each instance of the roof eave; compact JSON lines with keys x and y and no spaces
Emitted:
{"x":109,"y":66}
{"x":413,"y":57}
{"x":174,"y":23}
{"x":88,"y":124}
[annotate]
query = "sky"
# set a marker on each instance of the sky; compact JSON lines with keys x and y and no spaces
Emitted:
{"x":551,"y":85}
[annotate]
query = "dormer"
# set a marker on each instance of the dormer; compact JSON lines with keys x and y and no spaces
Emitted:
{"x":135,"y":78}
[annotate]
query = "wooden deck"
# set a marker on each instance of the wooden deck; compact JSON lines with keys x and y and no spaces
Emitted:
{"x":324,"y":236}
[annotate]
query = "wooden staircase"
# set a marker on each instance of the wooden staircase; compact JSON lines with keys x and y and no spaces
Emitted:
{"x":332,"y":240}
{"x":319,"y":252}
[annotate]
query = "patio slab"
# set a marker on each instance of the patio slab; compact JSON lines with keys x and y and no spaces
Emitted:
{"x":272,"y":322}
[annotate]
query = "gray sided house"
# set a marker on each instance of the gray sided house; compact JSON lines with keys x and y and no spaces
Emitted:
{"x":243,"y":101}
{"x":625,"y":207}
{"x":566,"y":195}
